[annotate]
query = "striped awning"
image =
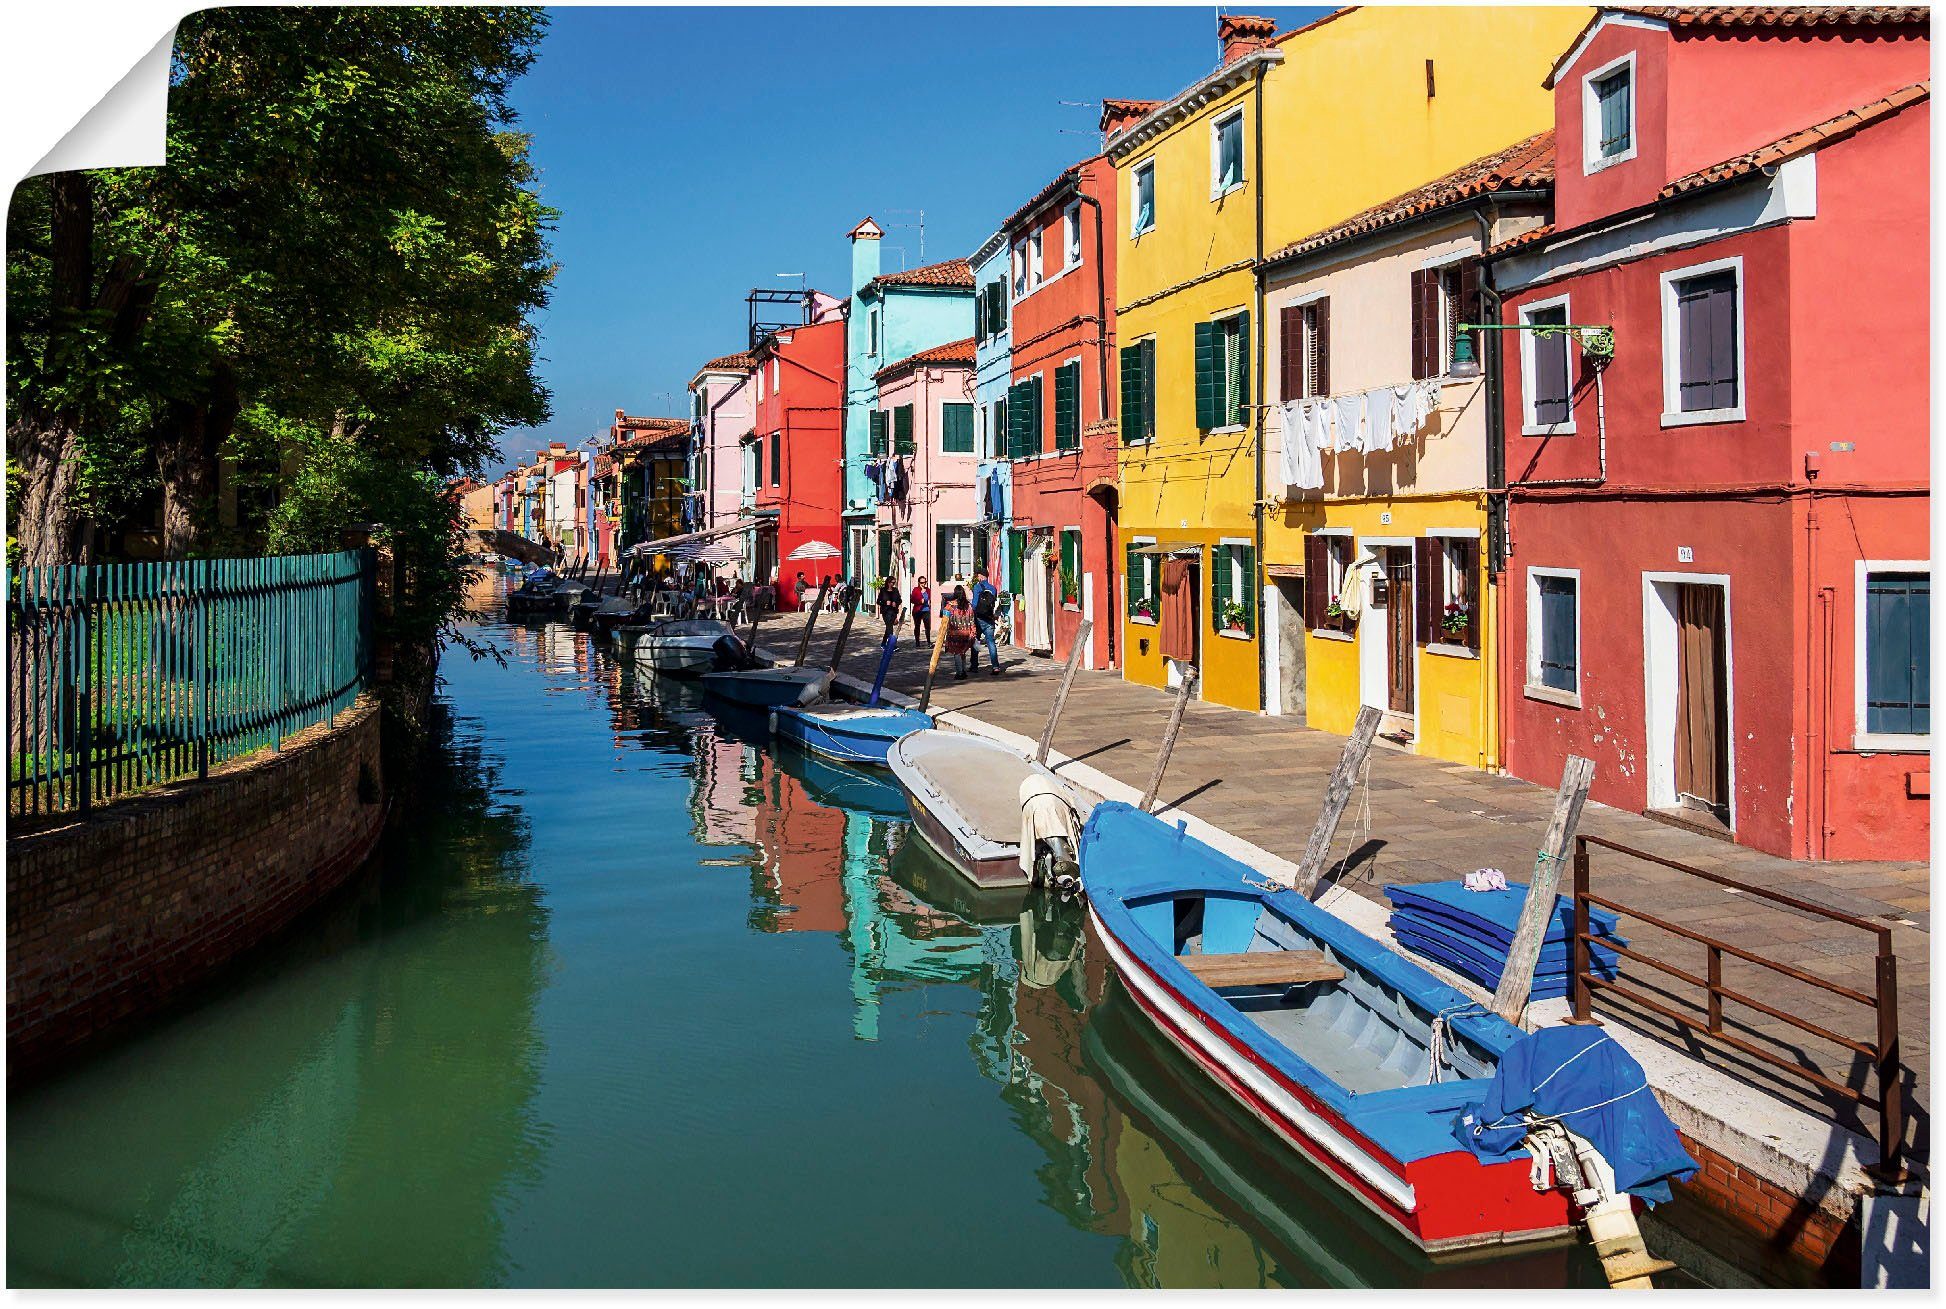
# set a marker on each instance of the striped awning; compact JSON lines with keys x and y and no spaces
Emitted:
{"x":1170,"y":548}
{"x":671,"y":544}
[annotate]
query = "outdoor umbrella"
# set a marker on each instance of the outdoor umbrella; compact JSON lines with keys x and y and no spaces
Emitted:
{"x":815,"y":550}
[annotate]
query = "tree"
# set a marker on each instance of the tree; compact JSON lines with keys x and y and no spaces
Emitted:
{"x":337,"y":264}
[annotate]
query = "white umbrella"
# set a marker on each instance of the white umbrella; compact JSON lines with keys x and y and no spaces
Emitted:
{"x":718,"y":552}
{"x":815,"y":550}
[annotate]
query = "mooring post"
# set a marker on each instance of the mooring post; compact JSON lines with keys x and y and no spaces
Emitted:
{"x":932,"y":668}
{"x":1061,"y":694}
{"x":1183,"y":692}
{"x":1337,"y":794}
{"x":811,"y":621}
{"x":756,"y":612}
{"x":884,"y":666}
{"x":1510,"y":997}
{"x":844,"y":635}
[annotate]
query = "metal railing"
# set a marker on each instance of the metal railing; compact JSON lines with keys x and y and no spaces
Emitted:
{"x":1882,"y":1051}
{"x":124,"y":676}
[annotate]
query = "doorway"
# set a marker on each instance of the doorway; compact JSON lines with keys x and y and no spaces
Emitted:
{"x":1182,"y":618}
{"x":1400,"y":650}
{"x":1687,"y":643}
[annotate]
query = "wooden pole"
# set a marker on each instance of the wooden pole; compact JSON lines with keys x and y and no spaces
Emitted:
{"x":932,"y":669}
{"x":811,"y":621}
{"x":1510,"y":998}
{"x":1061,"y":695}
{"x":1337,"y":794}
{"x":844,"y":635}
{"x":1183,"y":692}
{"x":756,"y":612}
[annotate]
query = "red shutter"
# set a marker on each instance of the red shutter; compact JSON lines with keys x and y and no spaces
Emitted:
{"x":1423,"y":324}
{"x":1428,"y":585}
{"x":1469,"y":309}
{"x":1290,"y":346}
{"x":1321,"y":345}
{"x":1316,"y":575}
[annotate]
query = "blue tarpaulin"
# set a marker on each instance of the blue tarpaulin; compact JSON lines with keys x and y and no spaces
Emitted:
{"x":1471,"y":931}
{"x":1581,"y":1078}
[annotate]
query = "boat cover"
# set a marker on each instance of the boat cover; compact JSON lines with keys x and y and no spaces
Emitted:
{"x":1471,"y":932}
{"x":1483,"y":965}
{"x":1492,"y":915}
{"x":1582,"y":1079}
{"x":689,"y":627}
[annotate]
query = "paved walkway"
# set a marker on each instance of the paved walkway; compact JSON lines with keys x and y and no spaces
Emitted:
{"x":1422,"y":820}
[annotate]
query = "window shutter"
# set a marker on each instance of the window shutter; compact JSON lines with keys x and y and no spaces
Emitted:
{"x":1016,"y":553}
{"x":1037,"y":430}
{"x":877,"y":425}
{"x":902,"y":442}
{"x":1467,"y":561}
{"x":1247,"y":571}
{"x":980,"y":317}
{"x":1219,"y":585}
{"x":1316,"y":577}
{"x":1468,"y":308}
{"x":1321,"y":349}
{"x":942,"y":559}
{"x":1244,"y":395}
{"x":1131,"y":392}
{"x":1290,"y":350}
{"x":884,"y":553}
{"x":1425,"y":321}
{"x":1209,"y":376}
{"x":1148,"y":389}
{"x":1428,"y":588}
{"x":1067,"y":406}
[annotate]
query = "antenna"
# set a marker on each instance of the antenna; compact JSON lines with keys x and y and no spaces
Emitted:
{"x":921,"y":225}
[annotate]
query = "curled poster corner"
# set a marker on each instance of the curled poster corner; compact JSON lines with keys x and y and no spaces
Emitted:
{"x":128,"y":127}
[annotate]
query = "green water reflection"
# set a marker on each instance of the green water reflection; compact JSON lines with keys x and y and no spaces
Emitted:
{"x":634,"y":1001}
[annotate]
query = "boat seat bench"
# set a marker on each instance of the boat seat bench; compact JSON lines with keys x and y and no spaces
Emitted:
{"x":1262,"y":968}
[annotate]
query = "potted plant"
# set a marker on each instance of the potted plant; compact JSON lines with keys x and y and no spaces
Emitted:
{"x":1455,"y":619}
{"x":1145,"y":608}
{"x":1235,"y":617}
{"x":1070,"y":586}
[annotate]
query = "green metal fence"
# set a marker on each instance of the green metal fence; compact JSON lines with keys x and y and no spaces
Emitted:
{"x":122,"y":676}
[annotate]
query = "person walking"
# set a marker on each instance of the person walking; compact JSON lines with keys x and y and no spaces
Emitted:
{"x":852,"y":591}
{"x":957,"y":614}
{"x":986,"y":611}
{"x":889,"y":605}
{"x":922,"y":612}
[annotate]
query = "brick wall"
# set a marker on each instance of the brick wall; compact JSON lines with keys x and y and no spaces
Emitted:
{"x":1767,"y":1223}
{"x":112,"y":918}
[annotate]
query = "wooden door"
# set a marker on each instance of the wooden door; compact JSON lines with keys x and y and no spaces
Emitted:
{"x":1400,"y":647}
{"x":1178,"y":611}
{"x":1702,"y":704}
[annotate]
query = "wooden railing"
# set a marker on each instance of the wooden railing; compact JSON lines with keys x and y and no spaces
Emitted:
{"x":1882,"y":1050}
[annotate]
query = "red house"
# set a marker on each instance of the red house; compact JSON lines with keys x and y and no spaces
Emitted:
{"x":1062,"y":543}
{"x":1714,"y":560}
{"x":796,"y":450}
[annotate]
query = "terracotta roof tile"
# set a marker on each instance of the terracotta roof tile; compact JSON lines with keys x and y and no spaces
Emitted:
{"x":1122,"y":111}
{"x":953,"y":352}
{"x":952,"y":273}
{"x":1524,"y":166}
{"x":1684,"y":16}
{"x":1046,"y":193}
{"x":740,"y":362}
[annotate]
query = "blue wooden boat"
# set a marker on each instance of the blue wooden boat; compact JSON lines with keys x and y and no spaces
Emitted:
{"x":1356,"y":1058}
{"x":770,"y":688}
{"x":850,"y":733}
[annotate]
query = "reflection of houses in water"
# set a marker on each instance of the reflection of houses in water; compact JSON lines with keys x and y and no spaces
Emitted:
{"x":797,"y":882}
{"x":726,"y":770}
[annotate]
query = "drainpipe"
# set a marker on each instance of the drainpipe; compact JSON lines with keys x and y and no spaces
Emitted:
{"x":1101,"y":394}
{"x":1257,"y":311}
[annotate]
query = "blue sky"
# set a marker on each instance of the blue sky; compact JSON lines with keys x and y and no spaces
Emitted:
{"x":696,"y":153}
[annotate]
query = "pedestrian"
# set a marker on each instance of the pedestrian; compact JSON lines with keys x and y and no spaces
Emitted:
{"x":922,"y":612}
{"x":803,"y":585}
{"x":889,"y":605}
{"x":852,"y":592}
{"x":958,"y":617}
{"x":986,"y":610}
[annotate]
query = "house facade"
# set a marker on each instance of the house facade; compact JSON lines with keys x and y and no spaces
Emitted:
{"x":1376,"y":452}
{"x":1063,"y":548}
{"x":652,"y":472}
{"x":1716,"y":561}
{"x":928,"y":521}
{"x":721,"y":414}
{"x":798,"y":454}
{"x":992,"y":375}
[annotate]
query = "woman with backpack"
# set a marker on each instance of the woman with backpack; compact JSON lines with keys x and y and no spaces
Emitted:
{"x":958,"y":617}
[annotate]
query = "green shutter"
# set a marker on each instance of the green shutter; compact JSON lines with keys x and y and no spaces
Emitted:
{"x":878,"y":433}
{"x":956,"y":429}
{"x":1148,"y":389}
{"x":902,"y":431}
{"x":1247,"y":558}
{"x":1016,"y":558}
{"x":884,"y":553}
{"x":1132,"y":587}
{"x":1131,"y":390}
{"x":939,"y":555}
{"x":1019,"y":409}
{"x":1067,"y":406}
{"x":1219,"y":584}
{"x":1243,"y":397}
{"x":1209,"y":376}
{"x":1037,"y":434}
{"x":1071,"y":561}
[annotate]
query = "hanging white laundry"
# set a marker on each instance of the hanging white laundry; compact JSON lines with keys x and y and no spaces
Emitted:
{"x":1428,"y":400}
{"x":1377,"y":404}
{"x":1302,"y":467}
{"x":1405,"y":418}
{"x":1348,"y":412}
{"x":1323,"y":416}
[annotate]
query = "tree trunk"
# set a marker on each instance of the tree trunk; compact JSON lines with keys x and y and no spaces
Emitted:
{"x":46,"y":526}
{"x":186,"y":456}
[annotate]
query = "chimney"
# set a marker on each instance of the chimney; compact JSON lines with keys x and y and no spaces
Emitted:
{"x":1243,"y":34}
{"x":864,"y":253}
{"x":1118,"y":114}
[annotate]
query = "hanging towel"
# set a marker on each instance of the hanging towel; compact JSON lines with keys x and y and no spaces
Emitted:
{"x":1324,"y":422}
{"x":1378,"y":419}
{"x":1428,"y":400}
{"x":1351,"y":597}
{"x":1302,"y":468}
{"x":1406,"y":411}
{"x":1348,"y":413}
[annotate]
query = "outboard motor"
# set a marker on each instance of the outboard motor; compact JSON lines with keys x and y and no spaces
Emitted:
{"x":1049,"y":832}
{"x":733,"y":654}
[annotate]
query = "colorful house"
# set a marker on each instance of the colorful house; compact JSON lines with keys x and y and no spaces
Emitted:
{"x":721,"y":410}
{"x":889,"y":317}
{"x":921,"y":442}
{"x":1376,"y":590}
{"x":992,"y":375}
{"x":1063,"y":550}
{"x":652,"y":463}
{"x":1717,"y":573}
{"x":798,"y":455}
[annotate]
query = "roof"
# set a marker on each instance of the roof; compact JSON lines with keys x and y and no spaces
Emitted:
{"x":741,"y":362}
{"x":1065,"y":179}
{"x":1524,"y":166}
{"x":953,"y":352}
{"x":1115,"y":110}
{"x":951,"y":273}
{"x":1728,"y":18}
{"x":1801,"y":142}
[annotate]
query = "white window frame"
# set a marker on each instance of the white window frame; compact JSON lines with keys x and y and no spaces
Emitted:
{"x":1036,"y":261}
{"x":1135,"y":175}
{"x":1216,"y":188}
{"x":954,"y":532}
{"x":871,"y":338}
{"x":1529,"y":424}
{"x":1448,"y":579}
{"x":1672,"y":416}
{"x":1017,"y":284}
{"x":1591,"y":116}
{"x":1535,"y":689}
{"x":1242,"y":589}
{"x":1336,"y":570}
{"x":1071,"y":236}
{"x":1888,"y":742}
{"x":776,"y":375}
{"x":1224,"y":316}
{"x":1148,"y":573}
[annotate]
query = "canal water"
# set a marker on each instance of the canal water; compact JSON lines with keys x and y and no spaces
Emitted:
{"x":634,"y":1000}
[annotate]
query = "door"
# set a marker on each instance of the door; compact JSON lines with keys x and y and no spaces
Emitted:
{"x":1400,"y":648}
{"x":1181,"y":626}
{"x":1702,"y":738}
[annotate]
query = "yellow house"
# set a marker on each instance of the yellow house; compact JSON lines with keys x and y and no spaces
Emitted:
{"x":1377,"y":447}
{"x":1290,"y":134}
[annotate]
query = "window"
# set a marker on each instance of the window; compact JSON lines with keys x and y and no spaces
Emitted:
{"x":1226,"y":154}
{"x":1024,"y":418}
{"x":1034,"y":261}
{"x":996,"y":308}
{"x":1071,"y":567}
{"x":1442,"y":298}
{"x":1327,"y":562}
{"x":1554,"y":634}
{"x":1223,"y":372}
{"x":1545,"y":377}
{"x":1142,"y":200}
{"x":876,"y":421}
{"x":1895,"y":691}
{"x":699,"y":405}
{"x":1305,"y":349}
{"x":1448,"y":592}
{"x":1016,"y":560}
{"x":1702,"y":344}
{"x":1138,"y":391}
{"x":871,"y":332}
{"x":776,"y":457}
{"x":1067,"y":405}
{"x":776,"y":375}
{"x":1144,"y":582}
{"x":997,"y":430}
{"x":953,"y":551}
{"x":902,"y":440}
{"x":1608,"y":115}
{"x":1071,"y":236}
{"x":760,"y":382}
{"x":1233,"y":589}
{"x":1020,"y":271}
{"x":756,"y":449}
{"x":956,"y":429}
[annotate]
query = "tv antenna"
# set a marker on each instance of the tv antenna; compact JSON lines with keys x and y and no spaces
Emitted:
{"x":921,"y":225}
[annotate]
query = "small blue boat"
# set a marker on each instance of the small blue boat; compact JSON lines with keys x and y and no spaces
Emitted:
{"x":837,"y":786}
{"x":850,"y":733}
{"x":770,"y":688}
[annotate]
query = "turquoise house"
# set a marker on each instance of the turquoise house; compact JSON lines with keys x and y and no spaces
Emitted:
{"x":889,"y":317}
{"x":992,"y":372}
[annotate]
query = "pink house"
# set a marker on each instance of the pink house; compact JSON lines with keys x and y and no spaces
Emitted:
{"x":922,"y":459}
{"x":722,"y":407}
